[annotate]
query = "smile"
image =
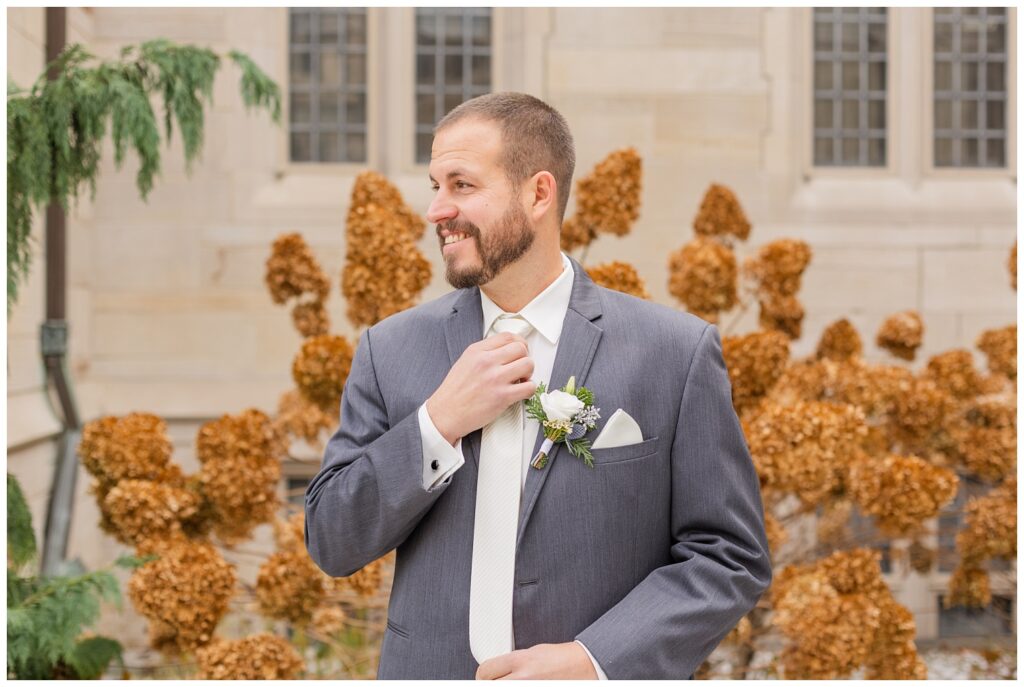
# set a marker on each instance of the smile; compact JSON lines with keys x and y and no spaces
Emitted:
{"x":453,"y":238}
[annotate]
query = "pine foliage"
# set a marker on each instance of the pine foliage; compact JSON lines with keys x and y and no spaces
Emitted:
{"x":55,"y":130}
{"x":46,"y":616}
{"x":21,"y":540}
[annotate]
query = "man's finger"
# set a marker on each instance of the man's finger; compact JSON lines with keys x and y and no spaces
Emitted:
{"x":495,"y":668}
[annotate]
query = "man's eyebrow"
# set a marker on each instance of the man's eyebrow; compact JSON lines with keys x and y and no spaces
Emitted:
{"x":451,"y":175}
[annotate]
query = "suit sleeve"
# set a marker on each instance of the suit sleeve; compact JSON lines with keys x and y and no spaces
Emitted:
{"x":369,"y":493}
{"x":669,"y":623}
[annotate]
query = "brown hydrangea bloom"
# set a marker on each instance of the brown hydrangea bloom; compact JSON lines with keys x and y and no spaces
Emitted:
{"x":310,"y":319}
{"x":260,"y":657}
{"x":828,"y":634}
{"x":968,"y":587}
{"x":250,"y":434}
{"x":777,"y":269}
{"x":954,"y":372}
{"x":901,"y":334}
{"x":839,"y":341}
{"x":241,"y":468}
{"x":184,"y":594}
{"x":371,"y":188}
{"x":289,"y":533}
{"x":1012,"y":265}
{"x":367,"y":581}
{"x":781,"y":313}
{"x":620,"y":276}
{"x":833,"y":522}
{"x":1000,"y":347}
{"x":802,"y":448}
{"x":776,"y":533}
{"x":920,"y":412}
{"x":778,"y":266}
{"x":985,"y":434}
{"x":901,"y":491}
{"x":293,"y":270}
{"x":755,"y":362}
{"x":300,"y":418}
{"x":894,"y":655}
{"x":720,"y":214}
{"x":702,"y":275}
{"x":384,"y":270}
{"x":242,"y":493}
{"x":607,"y":199}
{"x":990,"y":527}
{"x":139,"y":510}
{"x":855,"y":571}
{"x":290,"y":587}
{"x":872,"y":388}
{"x":321,"y":367}
{"x":922,"y":558}
{"x":741,"y":633}
{"x":135,"y":446}
{"x":575,"y":234}
{"x":328,"y":620}
{"x":837,"y":615}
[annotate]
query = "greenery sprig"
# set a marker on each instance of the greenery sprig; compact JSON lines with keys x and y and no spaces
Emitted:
{"x":55,"y":130}
{"x":569,"y":432}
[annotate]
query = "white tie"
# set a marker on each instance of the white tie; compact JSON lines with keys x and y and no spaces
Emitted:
{"x":496,"y":521}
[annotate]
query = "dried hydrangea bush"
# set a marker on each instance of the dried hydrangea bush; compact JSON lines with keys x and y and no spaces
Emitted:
{"x":259,"y":657}
{"x":619,"y":276}
{"x":703,"y":277}
{"x":607,"y":200}
{"x":901,"y":334}
{"x":321,"y":367}
{"x":720,"y":214}
{"x":838,"y":615}
{"x":384,"y":271}
{"x":184,"y":594}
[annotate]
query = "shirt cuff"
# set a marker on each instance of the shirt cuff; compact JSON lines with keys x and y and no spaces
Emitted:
{"x":440,"y":459}
{"x":600,"y":673}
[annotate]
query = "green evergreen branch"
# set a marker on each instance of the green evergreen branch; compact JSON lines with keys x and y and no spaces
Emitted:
{"x":21,"y":540}
{"x":55,"y":130}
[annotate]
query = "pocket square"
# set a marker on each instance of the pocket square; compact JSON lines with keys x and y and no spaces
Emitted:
{"x":620,"y":430}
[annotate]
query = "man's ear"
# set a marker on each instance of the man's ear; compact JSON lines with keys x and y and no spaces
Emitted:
{"x":542,"y":195}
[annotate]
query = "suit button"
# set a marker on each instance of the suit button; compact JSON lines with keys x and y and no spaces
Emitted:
{"x":434,"y":465}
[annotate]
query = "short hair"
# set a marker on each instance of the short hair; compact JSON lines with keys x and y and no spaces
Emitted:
{"x":535,"y":137}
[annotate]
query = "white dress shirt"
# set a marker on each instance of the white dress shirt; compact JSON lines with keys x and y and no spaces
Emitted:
{"x":545,"y":313}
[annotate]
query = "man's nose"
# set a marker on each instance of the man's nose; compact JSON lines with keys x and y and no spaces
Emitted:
{"x":441,"y":209}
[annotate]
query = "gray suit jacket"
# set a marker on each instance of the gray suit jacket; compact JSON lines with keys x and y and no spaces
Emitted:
{"x":649,"y":558}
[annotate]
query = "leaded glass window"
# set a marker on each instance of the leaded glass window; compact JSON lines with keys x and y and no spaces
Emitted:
{"x":453,"y":64}
{"x":850,"y":62}
{"x":327,"y":84}
{"x":970,"y":86}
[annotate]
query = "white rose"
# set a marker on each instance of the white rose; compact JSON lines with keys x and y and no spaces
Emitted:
{"x":558,"y":405}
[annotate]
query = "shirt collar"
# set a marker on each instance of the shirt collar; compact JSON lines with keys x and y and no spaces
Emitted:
{"x":546,"y":312}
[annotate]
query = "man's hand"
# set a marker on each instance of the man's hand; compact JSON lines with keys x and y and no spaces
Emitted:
{"x":567,"y":661}
{"x":489,"y":376}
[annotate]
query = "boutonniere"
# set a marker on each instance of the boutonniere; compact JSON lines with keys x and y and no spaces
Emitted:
{"x":566,"y":415}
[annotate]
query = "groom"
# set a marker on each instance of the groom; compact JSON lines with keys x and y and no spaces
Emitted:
{"x":634,"y":568}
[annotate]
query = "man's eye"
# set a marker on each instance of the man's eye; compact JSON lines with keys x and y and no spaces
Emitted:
{"x":434,"y":187}
{"x":461,"y":184}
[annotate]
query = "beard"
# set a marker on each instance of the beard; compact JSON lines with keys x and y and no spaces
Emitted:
{"x":502,"y":246}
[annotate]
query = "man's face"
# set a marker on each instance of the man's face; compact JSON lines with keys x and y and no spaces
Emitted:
{"x":473,"y":199}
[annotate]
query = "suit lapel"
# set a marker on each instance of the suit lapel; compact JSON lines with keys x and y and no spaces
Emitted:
{"x":464,"y":327}
{"x":577,"y":345}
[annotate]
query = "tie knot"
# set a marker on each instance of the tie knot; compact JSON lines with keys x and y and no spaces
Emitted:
{"x":511,"y":323}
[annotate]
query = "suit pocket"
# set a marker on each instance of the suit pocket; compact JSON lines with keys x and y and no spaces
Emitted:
{"x":397,"y":629}
{"x":618,"y":454}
